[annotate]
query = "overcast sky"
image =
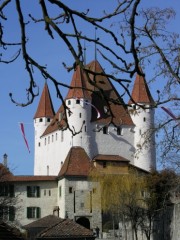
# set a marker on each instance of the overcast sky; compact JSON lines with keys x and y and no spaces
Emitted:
{"x":14,"y":79}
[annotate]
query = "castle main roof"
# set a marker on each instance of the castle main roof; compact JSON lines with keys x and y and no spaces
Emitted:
{"x":109,"y":104}
{"x":45,"y":107}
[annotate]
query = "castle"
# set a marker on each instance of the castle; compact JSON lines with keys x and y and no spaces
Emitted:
{"x":89,"y":128}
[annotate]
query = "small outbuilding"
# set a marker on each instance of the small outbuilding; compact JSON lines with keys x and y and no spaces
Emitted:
{"x":53,"y":227}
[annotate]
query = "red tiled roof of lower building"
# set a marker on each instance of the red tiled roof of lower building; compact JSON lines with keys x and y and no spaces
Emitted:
{"x":101,"y":157}
{"x":32,"y":178}
{"x":77,"y":163}
{"x":66,"y":228}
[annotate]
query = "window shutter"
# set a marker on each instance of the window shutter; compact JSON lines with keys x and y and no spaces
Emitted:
{"x":28,"y":191}
{"x":38,"y":212}
{"x":11,"y":190}
{"x":28,"y":212}
{"x":11,"y":213}
{"x":38,"y":191}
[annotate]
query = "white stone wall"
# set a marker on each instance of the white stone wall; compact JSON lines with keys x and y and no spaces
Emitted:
{"x":83,"y":201}
{"x":144,"y":141}
{"x":47,"y":200}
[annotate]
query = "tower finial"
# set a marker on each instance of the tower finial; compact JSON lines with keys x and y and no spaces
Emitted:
{"x":84,"y":52}
{"x":95,"y":53}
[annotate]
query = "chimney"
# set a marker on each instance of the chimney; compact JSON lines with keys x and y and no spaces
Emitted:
{"x":5,"y":159}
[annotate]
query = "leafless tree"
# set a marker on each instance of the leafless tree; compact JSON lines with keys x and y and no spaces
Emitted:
{"x":141,"y":40}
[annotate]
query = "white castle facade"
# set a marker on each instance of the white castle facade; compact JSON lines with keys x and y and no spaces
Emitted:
{"x":89,"y":115}
{"x":88,"y":128}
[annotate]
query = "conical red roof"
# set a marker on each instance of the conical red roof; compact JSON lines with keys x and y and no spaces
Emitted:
{"x":140,"y":92}
{"x":77,"y":163}
{"x":45,"y":107}
{"x":78,"y":87}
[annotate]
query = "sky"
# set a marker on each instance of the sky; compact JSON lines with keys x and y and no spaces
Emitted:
{"x":14,"y":79}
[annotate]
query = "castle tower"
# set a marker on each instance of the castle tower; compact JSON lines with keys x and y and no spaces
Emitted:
{"x":78,"y":101}
{"x":143,"y":118}
{"x":42,"y":118}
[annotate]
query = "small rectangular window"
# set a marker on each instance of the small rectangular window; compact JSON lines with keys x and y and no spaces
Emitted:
{"x":69,"y":102}
{"x":70,"y":189}
{"x":7,"y":213}
{"x":33,"y":191}
{"x":119,"y":131}
{"x":6,"y":190}
{"x":82,"y":205}
{"x":105,"y":130}
{"x":62,"y":136}
{"x":40,"y":120}
{"x":60,"y":191}
{"x":39,"y":144}
{"x":49,"y":192}
{"x":33,"y":212}
{"x":77,"y":101}
{"x":80,"y":115}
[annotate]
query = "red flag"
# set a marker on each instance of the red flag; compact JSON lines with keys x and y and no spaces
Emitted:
{"x":168,"y":111}
{"x":23,"y":133}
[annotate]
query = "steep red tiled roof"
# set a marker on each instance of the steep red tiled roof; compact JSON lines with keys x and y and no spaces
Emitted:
{"x":117,"y":106}
{"x":45,"y":107}
{"x":112,"y":158}
{"x":78,"y":85}
{"x":140,"y":92}
{"x":66,"y":229}
{"x":84,"y":89}
{"x":77,"y":163}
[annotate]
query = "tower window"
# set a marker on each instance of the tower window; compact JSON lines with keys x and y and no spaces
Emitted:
{"x":39,"y":144}
{"x":60,"y":191}
{"x":119,"y":131}
{"x":77,"y":101}
{"x":52,"y":138}
{"x":70,"y":189}
{"x":144,"y":119}
{"x":56,"y":136}
{"x":48,"y":140}
{"x":40,"y":120}
{"x":80,"y":115}
{"x":45,"y":141}
{"x":69,"y":102}
{"x":105,"y":130}
{"x":62,"y":136}
{"x":85,"y":128}
{"x":48,"y":119}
